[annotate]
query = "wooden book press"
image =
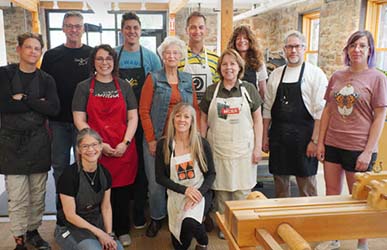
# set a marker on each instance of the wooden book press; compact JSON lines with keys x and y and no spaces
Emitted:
{"x":297,"y":221}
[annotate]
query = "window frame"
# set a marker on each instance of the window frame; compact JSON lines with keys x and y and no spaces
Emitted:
{"x":372,"y":21}
{"x":307,"y":19}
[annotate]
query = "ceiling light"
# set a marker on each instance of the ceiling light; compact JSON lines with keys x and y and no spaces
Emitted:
{"x":143,"y":7}
{"x":116,"y":6}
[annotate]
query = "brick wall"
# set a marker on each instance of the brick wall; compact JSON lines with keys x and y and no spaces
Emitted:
{"x":16,"y":21}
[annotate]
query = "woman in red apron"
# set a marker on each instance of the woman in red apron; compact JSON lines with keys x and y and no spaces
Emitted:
{"x":108,"y":105}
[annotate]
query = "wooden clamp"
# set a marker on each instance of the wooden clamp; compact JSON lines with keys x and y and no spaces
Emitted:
{"x":377,"y":197}
{"x":361,"y":187}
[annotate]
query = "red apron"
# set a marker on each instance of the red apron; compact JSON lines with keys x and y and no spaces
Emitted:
{"x":108,"y":116}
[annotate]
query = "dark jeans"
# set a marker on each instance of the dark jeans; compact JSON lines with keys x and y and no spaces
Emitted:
{"x":120,"y":198}
{"x":190,"y":228}
{"x":140,"y":183}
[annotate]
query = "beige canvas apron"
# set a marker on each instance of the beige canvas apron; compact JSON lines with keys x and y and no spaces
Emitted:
{"x":231,"y":136}
{"x":201,"y":74}
{"x":187,"y":173}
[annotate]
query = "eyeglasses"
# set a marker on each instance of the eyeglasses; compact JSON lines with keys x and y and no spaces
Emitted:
{"x":361,"y":46}
{"x":108,"y":59}
{"x":85,"y":147}
{"x":73,"y":26}
{"x":291,"y":47}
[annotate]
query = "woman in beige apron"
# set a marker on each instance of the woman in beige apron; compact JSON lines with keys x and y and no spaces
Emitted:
{"x":231,"y":119}
{"x":184,"y":165}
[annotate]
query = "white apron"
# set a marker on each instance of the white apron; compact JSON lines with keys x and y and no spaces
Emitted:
{"x":183,"y":172}
{"x":231,"y":136}
{"x":201,"y":75}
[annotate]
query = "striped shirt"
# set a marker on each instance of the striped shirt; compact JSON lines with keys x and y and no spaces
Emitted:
{"x":201,"y":59}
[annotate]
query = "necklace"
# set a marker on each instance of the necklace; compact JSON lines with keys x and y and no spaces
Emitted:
{"x":91,"y":179}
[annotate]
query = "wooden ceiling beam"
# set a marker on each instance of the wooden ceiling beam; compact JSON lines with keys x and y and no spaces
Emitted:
{"x":122,"y":6}
{"x":30,"y":5}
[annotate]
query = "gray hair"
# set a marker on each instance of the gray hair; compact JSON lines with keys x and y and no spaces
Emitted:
{"x":296,"y":34}
{"x":80,"y":136}
{"x":72,"y":14}
{"x":172,"y":40}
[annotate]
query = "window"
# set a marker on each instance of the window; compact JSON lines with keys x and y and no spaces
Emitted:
{"x":153,"y":28}
{"x":310,"y":28}
{"x":376,"y":23}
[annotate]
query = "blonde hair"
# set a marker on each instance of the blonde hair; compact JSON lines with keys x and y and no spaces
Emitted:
{"x":195,"y":141}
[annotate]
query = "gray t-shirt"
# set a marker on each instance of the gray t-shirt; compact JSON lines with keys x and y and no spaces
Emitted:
{"x":107,"y":90}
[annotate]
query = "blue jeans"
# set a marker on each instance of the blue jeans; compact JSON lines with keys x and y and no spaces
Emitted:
{"x":69,"y":243}
{"x":64,"y":137}
{"x":157,"y":196}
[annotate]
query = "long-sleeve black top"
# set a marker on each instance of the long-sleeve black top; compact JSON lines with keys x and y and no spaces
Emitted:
{"x":163,"y":170}
{"x":42,"y":98}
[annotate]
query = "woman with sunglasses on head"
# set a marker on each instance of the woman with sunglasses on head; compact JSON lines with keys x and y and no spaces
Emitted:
{"x":108,"y":105}
{"x":244,"y":41}
{"x":352,"y":120}
{"x":84,"y":218}
{"x":184,"y":165}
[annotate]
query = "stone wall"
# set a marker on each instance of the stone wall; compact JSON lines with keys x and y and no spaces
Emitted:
{"x":16,"y":21}
{"x":212,"y":25}
{"x":338,"y":19}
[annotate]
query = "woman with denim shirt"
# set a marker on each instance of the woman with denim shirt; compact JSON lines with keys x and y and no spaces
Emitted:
{"x":162,"y":90}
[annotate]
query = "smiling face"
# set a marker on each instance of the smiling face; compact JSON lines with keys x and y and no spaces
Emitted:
{"x":30,"y":51}
{"x":294,"y":51}
{"x":359,"y":51}
{"x":171,"y":56}
{"x":229,"y":68}
{"x":73,"y":29}
{"x":196,"y":29}
{"x":183,"y":121}
{"x":104,"y":63}
{"x":131,"y":31}
{"x":89,"y":150}
{"x":242,"y":43}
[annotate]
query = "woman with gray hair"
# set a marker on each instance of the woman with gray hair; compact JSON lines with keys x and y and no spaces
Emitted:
{"x":162,"y":90}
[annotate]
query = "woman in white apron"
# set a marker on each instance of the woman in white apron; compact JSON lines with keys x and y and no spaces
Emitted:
{"x":231,"y":119}
{"x":184,"y":165}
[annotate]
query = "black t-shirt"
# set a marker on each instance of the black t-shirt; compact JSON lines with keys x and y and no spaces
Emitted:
{"x":68,"y":182}
{"x":68,"y":66}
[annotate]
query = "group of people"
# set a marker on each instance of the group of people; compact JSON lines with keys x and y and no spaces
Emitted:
{"x":185,"y":132}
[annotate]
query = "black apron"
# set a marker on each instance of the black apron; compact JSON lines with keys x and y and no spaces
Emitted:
{"x":25,"y":146}
{"x":135,"y":76}
{"x":290,"y":132}
{"x":250,"y":76}
{"x":88,"y":206}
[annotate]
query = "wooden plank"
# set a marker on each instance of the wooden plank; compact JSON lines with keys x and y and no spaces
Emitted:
{"x":266,"y":240}
{"x":321,"y":227}
{"x":220,"y":221}
{"x":286,"y":203}
{"x":227,"y":12}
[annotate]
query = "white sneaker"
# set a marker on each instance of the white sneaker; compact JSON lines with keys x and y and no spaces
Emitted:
{"x":328,"y":245}
{"x":125,"y":240}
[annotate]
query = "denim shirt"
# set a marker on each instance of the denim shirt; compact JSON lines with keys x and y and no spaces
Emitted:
{"x":162,"y":96}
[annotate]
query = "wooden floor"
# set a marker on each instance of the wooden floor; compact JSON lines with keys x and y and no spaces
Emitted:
{"x":161,"y":242}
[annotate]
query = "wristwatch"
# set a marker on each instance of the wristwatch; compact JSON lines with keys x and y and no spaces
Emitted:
{"x":127,"y":142}
{"x":314,"y":141}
